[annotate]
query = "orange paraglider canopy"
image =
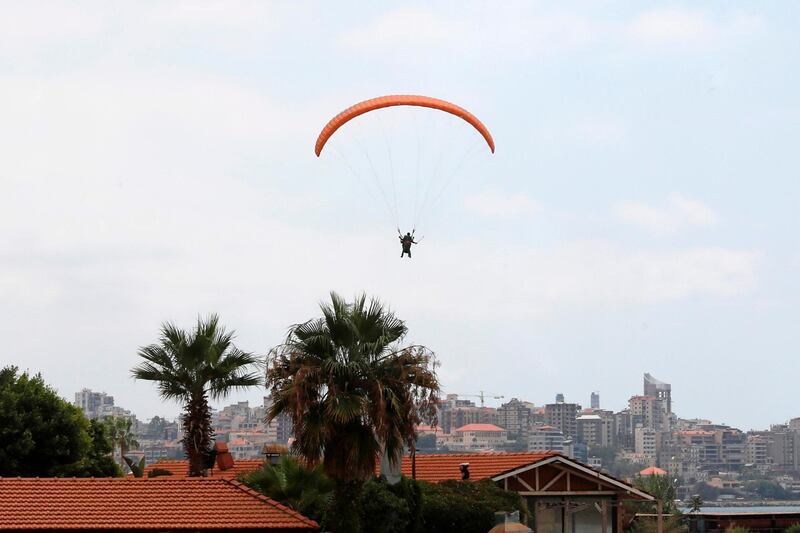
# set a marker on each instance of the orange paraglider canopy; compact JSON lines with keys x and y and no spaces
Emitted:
{"x":399,"y":100}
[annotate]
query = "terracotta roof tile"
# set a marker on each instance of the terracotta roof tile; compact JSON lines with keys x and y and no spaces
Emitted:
{"x":122,"y":503}
{"x":180,"y":468}
{"x":440,"y":467}
{"x":652,"y":471}
{"x":480,"y":427}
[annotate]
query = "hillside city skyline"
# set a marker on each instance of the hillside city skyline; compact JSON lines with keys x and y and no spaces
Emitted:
{"x":491,"y":399}
{"x":703,"y":454}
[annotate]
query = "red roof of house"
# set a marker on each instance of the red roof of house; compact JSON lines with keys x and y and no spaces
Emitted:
{"x":653,"y":471}
{"x":440,"y":467}
{"x":480,"y":427}
{"x":180,"y":468}
{"x":198,"y":504}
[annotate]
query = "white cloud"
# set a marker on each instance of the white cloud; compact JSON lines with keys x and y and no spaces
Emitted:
{"x":516,"y":31}
{"x":500,"y":204}
{"x":676,"y":26}
{"x":416,"y":33}
{"x":677,"y":214}
{"x":540,"y":283}
{"x":29,"y":28}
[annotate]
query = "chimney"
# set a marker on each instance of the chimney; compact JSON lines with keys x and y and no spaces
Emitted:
{"x":224,"y":457}
{"x":464,"y":467}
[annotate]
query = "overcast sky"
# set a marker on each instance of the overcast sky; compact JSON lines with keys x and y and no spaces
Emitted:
{"x":639,"y":215}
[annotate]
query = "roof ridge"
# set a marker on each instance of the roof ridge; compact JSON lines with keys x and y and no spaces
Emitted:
{"x":251,"y":492}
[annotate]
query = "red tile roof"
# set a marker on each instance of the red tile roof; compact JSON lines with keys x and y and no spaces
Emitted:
{"x":198,"y":504}
{"x":180,"y":468}
{"x":440,"y":467}
{"x":652,"y":471}
{"x":480,"y":427}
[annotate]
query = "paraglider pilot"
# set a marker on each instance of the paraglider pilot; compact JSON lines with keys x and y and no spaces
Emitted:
{"x":406,"y":241}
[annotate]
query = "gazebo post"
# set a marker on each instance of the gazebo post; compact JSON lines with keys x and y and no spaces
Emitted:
{"x":660,"y":516}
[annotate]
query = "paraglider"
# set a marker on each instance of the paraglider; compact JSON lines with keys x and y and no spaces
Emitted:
{"x":390,"y":193}
{"x":406,"y":241}
{"x":399,"y":100}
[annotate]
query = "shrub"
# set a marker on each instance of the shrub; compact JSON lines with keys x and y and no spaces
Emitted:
{"x":156,"y":472}
{"x":465,"y":506}
{"x":794,"y":528}
{"x":383,"y":511}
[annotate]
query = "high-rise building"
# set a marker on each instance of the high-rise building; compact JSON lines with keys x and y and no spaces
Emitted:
{"x":608,"y":427}
{"x":625,"y":425}
{"x":280,"y":428}
{"x":94,"y":404}
{"x":645,"y":443}
{"x":784,"y":447}
{"x":660,"y":390}
{"x":455,"y":413}
{"x":546,"y":438}
{"x":590,"y":429}
{"x":757,"y":450}
{"x":595,"y":400}
{"x":562,"y":416}
{"x":515,"y":417}
{"x":647,"y":411}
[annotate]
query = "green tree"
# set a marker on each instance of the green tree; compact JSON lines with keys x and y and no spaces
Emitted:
{"x":40,"y":433}
{"x":307,"y":490}
{"x":99,"y":461}
{"x":121,"y":435}
{"x":768,"y":490}
{"x":671,"y":524}
{"x":662,"y":487}
{"x":706,"y":491}
{"x":156,"y":427}
{"x":353,"y":393}
{"x":695,"y":503}
{"x":191,"y":367}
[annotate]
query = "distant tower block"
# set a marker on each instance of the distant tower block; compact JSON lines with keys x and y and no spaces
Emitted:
{"x":660,"y":390}
{"x":595,"y":403}
{"x":559,"y":398}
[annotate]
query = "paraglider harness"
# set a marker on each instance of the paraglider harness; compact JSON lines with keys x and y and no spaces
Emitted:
{"x":407,"y":240}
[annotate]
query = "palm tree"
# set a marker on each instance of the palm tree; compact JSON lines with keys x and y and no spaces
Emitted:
{"x":307,"y":490}
{"x":352,"y":392}
{"x":695,"y":503}
{"x":120,"y":434}
{"x":191,"y":367}
{"x":662,"y":487}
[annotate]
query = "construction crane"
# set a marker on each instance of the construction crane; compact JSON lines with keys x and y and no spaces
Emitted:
{"x":483,"y":395}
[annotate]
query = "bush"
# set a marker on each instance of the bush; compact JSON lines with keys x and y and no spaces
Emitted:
{"x":383,"y":511}
{"x":465,"y":506}
{"x":157,"y":472}
{"x":292,"y":483}
{"x":794,"y":528}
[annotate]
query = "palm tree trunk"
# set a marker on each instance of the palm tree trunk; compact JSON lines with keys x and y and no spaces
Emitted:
{"x":345,"y":506}
{"x":197,"y":433}
{"x":413,"y":459}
